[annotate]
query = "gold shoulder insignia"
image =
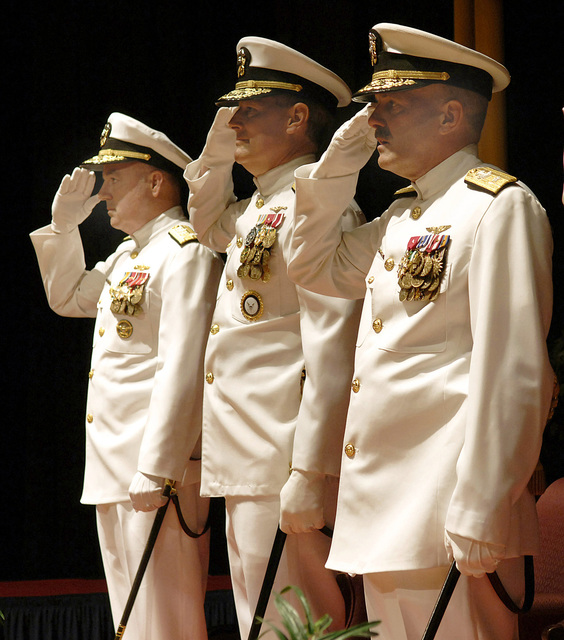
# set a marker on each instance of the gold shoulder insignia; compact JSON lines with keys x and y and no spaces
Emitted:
{"x":183,"y":234}
{"x":406,"y":192}
{"x":489,"y":179}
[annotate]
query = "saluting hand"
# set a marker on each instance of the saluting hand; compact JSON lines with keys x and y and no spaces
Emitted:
{"x":73,"y":202}
{"x":350,"y":149}
{"x":220,"y":142}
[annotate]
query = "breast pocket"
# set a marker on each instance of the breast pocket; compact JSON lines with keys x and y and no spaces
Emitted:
{"x":418,"y":326}
{"x":120,"y":333}
{"x":258,"y":298}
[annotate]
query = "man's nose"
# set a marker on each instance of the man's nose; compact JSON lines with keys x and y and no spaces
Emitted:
{"x":235,"y":122}
{"x":375,"y":119}
{"x":103,"y":194}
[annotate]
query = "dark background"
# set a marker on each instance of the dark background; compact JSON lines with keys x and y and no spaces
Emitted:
{"x":66,"y":67}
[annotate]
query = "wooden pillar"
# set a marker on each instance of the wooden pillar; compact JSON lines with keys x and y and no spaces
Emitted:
{"x":478,"y":24}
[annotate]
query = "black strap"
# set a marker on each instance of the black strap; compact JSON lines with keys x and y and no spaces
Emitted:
{"x":529,"y":588}
{"x":185,"y":527}
{"x":442,"y":602}
{"x":266,"y":589}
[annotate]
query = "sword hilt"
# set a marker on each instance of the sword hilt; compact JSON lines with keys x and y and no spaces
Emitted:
{"x":169,"y":488}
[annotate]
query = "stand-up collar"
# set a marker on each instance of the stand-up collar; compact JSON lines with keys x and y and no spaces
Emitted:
{"x":276,"y":178}
{"x":444,"y":174}
{"x":154,"y":226}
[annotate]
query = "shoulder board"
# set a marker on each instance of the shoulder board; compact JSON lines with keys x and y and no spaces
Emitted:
{"x":406,"y":192}
{"x":183,"y":234}
{"x":489,"y":179}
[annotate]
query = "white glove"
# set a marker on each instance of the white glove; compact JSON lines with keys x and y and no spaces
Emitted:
{"x":473,"y":558}
{"x":73,"y":202}
{"x":350,"y":149}
{"x":146,"y":492}
{"x":220,"y":142}
{"x":301,"y":502}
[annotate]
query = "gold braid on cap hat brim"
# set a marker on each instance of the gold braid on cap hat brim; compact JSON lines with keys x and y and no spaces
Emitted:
{"x":268,"y":84}
{"x":392,"y":79}
{"x":251,"y":88}
{"x":111,"y":155}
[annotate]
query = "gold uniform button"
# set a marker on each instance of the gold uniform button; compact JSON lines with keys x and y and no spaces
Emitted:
{"x":355,"y":385}
{"x":389,"y":264}
{"x":239,"y":242}
{"x":209,"y":377}
{"x":229,"y":285}
{"x":371,"y":280}
{"x":89,"y":418}
{"x":416,"y":213}
{"x":350,"y":450}
{"x":91,"y":374}
{"x":214,"y":329}
{"x":377,"y":325}
{"x":101,"y":331}
{"x":134,"y":254}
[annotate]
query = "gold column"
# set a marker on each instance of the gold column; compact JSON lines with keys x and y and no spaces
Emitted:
{"x":479,"y":24}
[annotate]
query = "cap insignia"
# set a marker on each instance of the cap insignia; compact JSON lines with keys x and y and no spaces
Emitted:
{"x":243,"y":59}
{"x":105,"y":133}
{"x":374,"y":46}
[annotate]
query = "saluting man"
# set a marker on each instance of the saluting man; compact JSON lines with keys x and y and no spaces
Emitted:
{"x":452,"y":383}
{"x":153,"y":301}
{"x":278,"y":357}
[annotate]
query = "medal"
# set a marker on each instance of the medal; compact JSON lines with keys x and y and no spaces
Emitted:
{"x":128,"y":295}
{"x":421,"y":268}
{"x":256,"y":253}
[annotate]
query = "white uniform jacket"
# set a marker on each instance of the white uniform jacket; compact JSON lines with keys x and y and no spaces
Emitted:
{"x":256,"y":423}
{"x":145,"y":390}
{"x":449,"y":397}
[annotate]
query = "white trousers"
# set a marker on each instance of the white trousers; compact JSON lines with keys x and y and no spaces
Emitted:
{"x":170,"y":602}
{"x":403,"y":601}
{"x":251,"y":525}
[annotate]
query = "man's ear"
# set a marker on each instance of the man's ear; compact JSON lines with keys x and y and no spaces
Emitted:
{"x":156,"y":182}
{"x":452,"y":114}
{"x":298,"y":116}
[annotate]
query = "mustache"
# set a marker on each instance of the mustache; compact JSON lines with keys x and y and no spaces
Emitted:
{"x":382,"y":132}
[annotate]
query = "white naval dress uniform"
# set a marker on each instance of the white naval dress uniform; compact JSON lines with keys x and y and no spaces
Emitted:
{"x":450,"y":397}
{"x":257,"y":423}
{"x":144,"y":410}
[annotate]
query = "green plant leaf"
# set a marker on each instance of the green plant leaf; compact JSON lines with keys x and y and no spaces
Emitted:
{"x":307,"y":610}
{"x":276,"y":630}
{"x":290,"y":618}
{"x":296,"y":630}
{"x":362,"y":630}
